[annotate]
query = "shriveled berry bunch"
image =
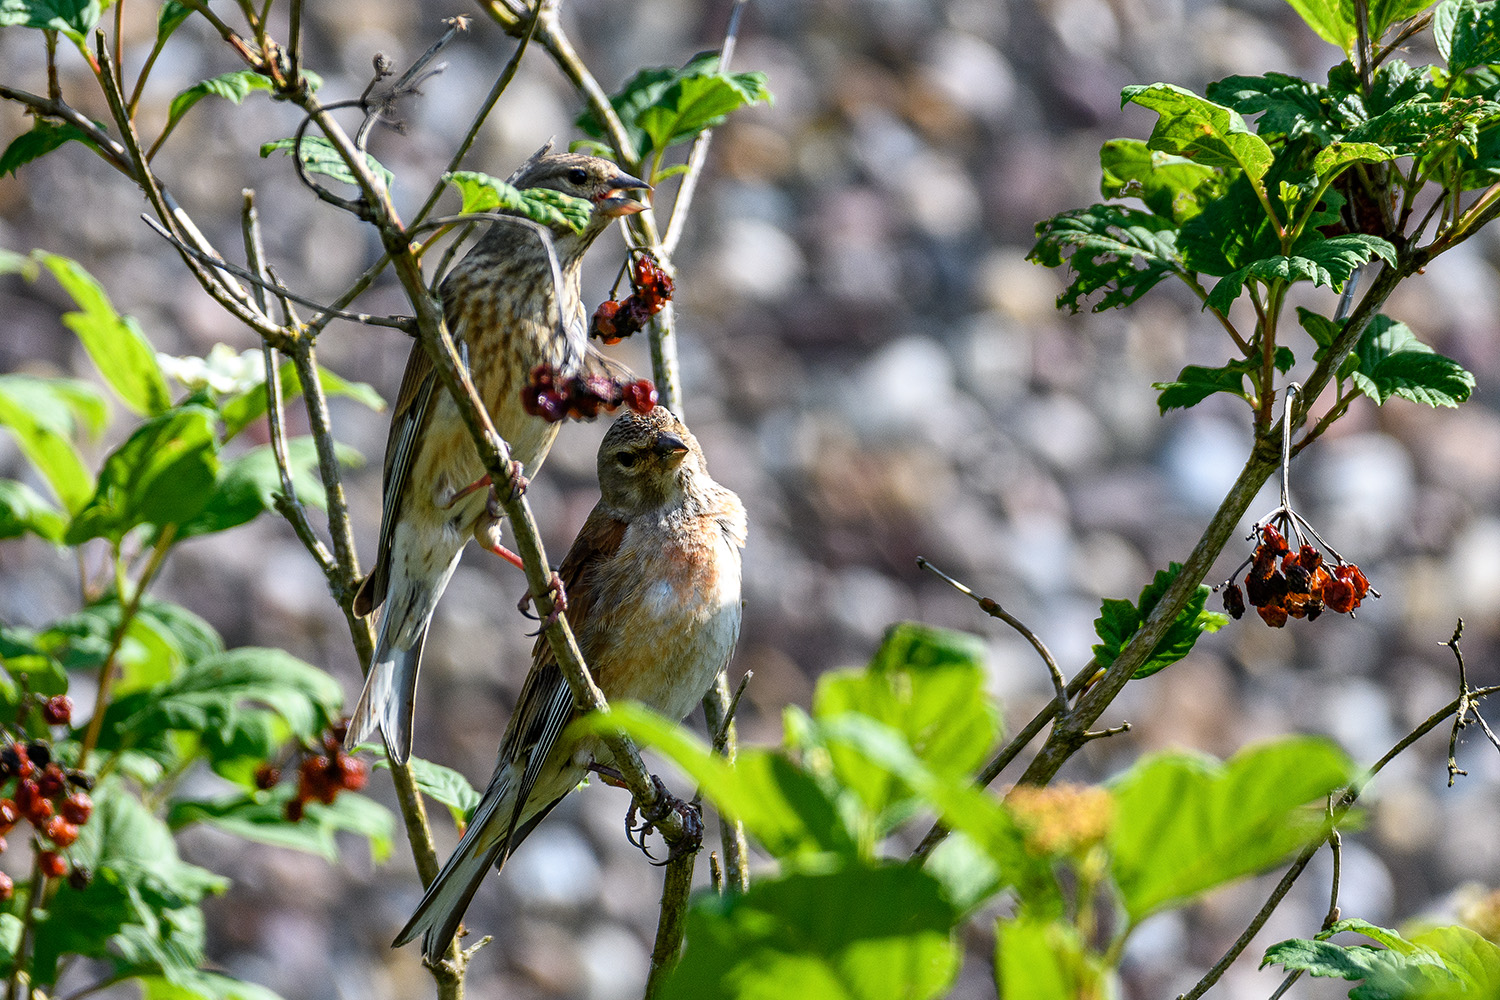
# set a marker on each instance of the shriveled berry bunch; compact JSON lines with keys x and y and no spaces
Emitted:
{"x":615,"y":320}
{"x":320,"y":775}
{"x":1283,"y":583}
{"x":554,"y":397}
{"x":52,"y":798}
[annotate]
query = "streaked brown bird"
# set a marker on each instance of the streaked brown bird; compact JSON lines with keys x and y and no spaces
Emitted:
{"x":506,"y":315}
{"x":653,"y":587}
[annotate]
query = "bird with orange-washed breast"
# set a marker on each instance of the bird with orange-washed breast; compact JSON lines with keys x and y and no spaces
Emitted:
{"x":653,"y":585}
{"x":507,"y":313}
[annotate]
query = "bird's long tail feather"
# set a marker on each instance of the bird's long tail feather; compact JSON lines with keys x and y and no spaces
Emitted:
{"x":484,"y":845}
{"x":389,"y":696}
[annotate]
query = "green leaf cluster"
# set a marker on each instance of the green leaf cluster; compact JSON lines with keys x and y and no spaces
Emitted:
{"x":170,"y":471}
{"x":180,"y":703}
{"x":1436,"y":963}
{"x":1268,"y":182}
{"x":664,"y":106}
{"x":902,"y":738}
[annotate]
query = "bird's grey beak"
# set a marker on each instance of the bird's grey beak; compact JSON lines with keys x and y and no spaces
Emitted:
{"x":616,"y":202}
{"x":671,"y":447}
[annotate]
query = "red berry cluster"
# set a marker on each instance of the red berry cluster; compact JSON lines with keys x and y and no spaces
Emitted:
{"x":553,"y":397}
{"x":320,"y":776}
{"x":1285,"y":584}
{"x":615,"y":320}
{"x":53,"y":799}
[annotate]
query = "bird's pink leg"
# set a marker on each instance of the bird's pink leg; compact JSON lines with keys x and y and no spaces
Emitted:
{"x":458,"y":495}
{"x":559,"y":601}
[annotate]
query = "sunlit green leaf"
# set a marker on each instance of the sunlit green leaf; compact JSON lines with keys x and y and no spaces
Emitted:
{"x":439,"y":783}
{"x":249,"y":485}
{"x":319,"y":156}
{"x":1120,"y":620}
{"x":483,"y":193}
{"x":42,"y":139}
{"x":199,"y":985}
{"x":858,"y":933}
{"x":163,"y":474}
{"x":1418,"y":126}
{"x":173,"y":13}
{"x":233,"y":86}
{"x":1321,"y":260}
{"x":1393,"y":362}
{"x":1288,"y":105}
{"x":44,"y":415}
{"x":139,"y":908}
{"x":1201,"y":130}
{"x":74,"y":18}
{"x":22,"y":511}
{"x":1196,"y":383}
{"x":115,"y":343}
{"x":1121,"y":251}
{"x":1045,"y":960}
{"x":698,"y":101}
{"x":1467,"y":33}
{"x":928,"y":685}
{"x":780,"y":804}
{"x":261,"y":817}
{"x":1336,"y":157}
{"x":1173,"y":187}
{"x":1185,"y":823}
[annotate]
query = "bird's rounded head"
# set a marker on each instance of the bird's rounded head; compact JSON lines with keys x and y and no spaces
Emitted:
{"x":648,"y":460}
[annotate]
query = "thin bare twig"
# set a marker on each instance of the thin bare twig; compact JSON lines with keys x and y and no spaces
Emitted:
{"x":402,"y":323}
{"x":698,"y":155}
{"x":1340,"y":808}
{"x":994,"y":610}
{"x":1010,"y":751}
{"x":481,"y":115}
{"x":286,"y":501}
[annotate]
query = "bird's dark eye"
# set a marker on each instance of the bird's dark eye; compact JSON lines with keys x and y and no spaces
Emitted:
{"x":577,"y":175}
{"x":626,"y":459}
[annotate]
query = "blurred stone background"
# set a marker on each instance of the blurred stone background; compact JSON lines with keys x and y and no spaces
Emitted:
{"x":872,"y":365}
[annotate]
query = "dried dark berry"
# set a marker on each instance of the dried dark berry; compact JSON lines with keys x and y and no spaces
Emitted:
{"x":80,"y":877}
{"x":295,"y":810}
{"x":640,"y":396}
{"x":10,"y":763}
{"x":58,"y":710}
{"x":77,"y":808}
{"x":52,"y":864}
{"x":1273,"y":614}
{"x":9,"y":816}
{"x":1273,"y":539}
{"x":603,"y":325}
{"x":81,"y":779}
{"x":1264,"y":590}
{"x":353,"y":773}
{"x":1234,"y":601}
{"x":1310,"y":558}
{"x":1298,"y":580}
{"x":60,"y":831}
{"x":39,"y":753}
{"x":267,"y":777}
{"x":1314,"y":609}
{"x":51,"y":781}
